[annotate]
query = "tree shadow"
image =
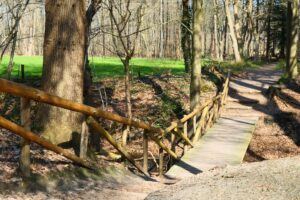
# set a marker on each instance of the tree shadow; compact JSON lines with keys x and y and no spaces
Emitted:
{"x":287,"y":121}
{"x":176,"y":106}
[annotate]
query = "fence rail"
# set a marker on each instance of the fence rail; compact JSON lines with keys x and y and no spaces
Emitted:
{"x":188,"y":129}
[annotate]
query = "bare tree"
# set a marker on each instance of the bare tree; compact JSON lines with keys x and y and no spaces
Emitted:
{"x":16,"y":9}
{"x":232,"y":29}
{"x":126,"y":21}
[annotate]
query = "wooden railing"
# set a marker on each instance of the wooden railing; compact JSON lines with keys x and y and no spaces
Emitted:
{"x":199,"y":121}
{"x":201,"y":118}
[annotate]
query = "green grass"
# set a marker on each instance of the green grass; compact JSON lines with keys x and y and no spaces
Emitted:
{"x":103,"y":67}
{"x":33,"y":66}
{"x":112,"y":67}
{"x":241,"y":66}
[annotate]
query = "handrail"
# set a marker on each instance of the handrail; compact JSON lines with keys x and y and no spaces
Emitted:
{"x":43,"y":97}
{"x":28,"y":135}
{"x":199,"y":109}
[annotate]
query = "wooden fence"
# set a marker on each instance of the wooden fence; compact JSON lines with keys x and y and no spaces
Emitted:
{"x":200,"y":119}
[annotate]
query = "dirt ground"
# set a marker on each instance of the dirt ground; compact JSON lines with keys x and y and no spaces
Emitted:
{"x":267,"y":180}
{"x":156,"y":99}
{"x":277,"y":136}
{"x":275,"y":143}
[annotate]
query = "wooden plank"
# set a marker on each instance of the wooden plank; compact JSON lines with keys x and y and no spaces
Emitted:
{"x":159,"y":142}
{"x":184,"y":137}
{"x":201,"y":124}
{"x":185,"y":132}
{"x":161,"y":162}
{"x":224,"y":144}
{"x":84,"y":138}
{"x":145,"y":151}
{"x":28,"y":135}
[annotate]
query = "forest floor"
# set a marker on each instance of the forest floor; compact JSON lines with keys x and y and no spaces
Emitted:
{"x":276,"y":136}
{"x":277,"y":133}
{"x":156,"y":99}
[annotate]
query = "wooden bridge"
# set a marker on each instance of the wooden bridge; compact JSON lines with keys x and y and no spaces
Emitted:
{"x":227,"y":141}
{"x":204,"y":147}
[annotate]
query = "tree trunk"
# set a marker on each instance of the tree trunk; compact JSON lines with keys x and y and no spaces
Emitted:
{"x":248,"y":35}
{"x":224,"y":54}
{"x":127,"y":98}
{"x":237,"y":26}
{"x":161,"y":46}
{"x":63,"y":68}
{"x":293,"y":38}
{"x":195,"y":88}
{"x":257,"y":34}
{"x":283,"y":36}
{"x":232,"y":33}
{"x":268,"y":45}
{"x":186,"y":35}
{"x":216,"y":38}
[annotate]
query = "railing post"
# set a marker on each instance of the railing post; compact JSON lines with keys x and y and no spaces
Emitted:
{"x":25,"y":144}
{"x":195,"y":124}
{"x":84,"y":140}
{"x":185,"y":132}
{"x":173,"y":145}
{"x":145,"y":147}
{"x":215,"y":111}
{"x":161,"y":162}
{"x":23,"y":72}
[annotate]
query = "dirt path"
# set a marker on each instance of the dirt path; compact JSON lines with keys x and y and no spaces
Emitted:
{"x":268,"y":180}
{"x":248,"y":95}
{"x":277,"y":179}
{"x":117,"y":184}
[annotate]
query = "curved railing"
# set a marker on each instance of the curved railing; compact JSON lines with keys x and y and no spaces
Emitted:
{"x":200,"y":119}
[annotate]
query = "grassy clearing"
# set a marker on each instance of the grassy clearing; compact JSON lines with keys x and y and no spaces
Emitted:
{"x":103,"y":67}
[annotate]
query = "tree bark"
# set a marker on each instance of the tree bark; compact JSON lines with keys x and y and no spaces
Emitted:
{"x":216,"y":38}
{"x":232,"y":33}
{"x":186,"y":36}
{"x":224,"y":49}
{"x":237,"y":26}
{"x":293,"y":38}
{"x":257,"y":34}
{"x":63,"y":68}
{"x":248,"y":35}
{"x":195,"y":88}
{"x":128,"y":99}
{"x":268,"y":45}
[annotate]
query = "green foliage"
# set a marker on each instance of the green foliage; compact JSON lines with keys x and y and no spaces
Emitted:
{"x":281,"y":64}
{"x":284,"y":79}
{"x":241,"y":66}
{"x":232,"y":65}
{"x":103,"y":67}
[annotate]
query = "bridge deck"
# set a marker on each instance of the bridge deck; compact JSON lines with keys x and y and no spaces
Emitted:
{"x":224,"y":144}
{"x":227,"y":141}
